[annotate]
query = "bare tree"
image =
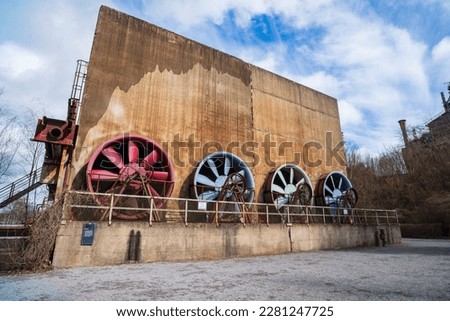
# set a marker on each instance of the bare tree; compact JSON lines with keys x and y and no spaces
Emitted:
{"x":19,"y":156}
{"x":413,"y":180}
{"x":8,"y":139}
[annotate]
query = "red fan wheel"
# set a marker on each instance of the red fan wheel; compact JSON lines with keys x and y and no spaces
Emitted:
{"x":130,"y":165}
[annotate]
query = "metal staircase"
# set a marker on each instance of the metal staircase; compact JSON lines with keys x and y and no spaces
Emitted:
{"x":12,"y":192}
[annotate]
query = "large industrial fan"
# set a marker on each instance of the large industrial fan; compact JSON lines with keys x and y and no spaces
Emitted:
{"x":335,"y":190}
{"x":288,"y":185}
{"x":134,"y":166}
{"x":222,"y":176}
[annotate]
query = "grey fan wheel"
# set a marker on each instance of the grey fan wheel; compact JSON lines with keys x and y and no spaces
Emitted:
{"x":335,"y":189}
{"x":288,"y":184}
{"x":222,"y":176}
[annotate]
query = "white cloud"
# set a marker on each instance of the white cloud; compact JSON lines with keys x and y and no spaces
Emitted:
{"x":441,"y":52}
{"x":378,"y":72}
{"x":349,"y":114}
{"x":37,"y":69}
{"x":440,"y":61}
{"x":17,"y":61}
{"x":320,"y":81}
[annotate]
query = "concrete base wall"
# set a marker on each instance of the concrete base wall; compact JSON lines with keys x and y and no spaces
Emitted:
{"x":177,"y":242}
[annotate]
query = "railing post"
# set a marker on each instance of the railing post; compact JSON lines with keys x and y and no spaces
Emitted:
{"x":267,"y":214}
{"x":365,"y":217}
{"x":387,"y":218}
{"x":288,"y":217}
{"x":186,"y":212}
{"x":66,"y":208}
{"x":111,"y":209}
{"x":151,"y":212}
{"x":338,"y":215}
{"x":376,"y":217}
{"x":11,"y":191}
{"x":217,"y":214}
{"x":323,"y":214}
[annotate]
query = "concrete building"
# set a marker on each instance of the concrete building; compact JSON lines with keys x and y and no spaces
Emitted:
{"x":165,"y":116}
{"x":192,"y":100}
{"x":435,"y":140}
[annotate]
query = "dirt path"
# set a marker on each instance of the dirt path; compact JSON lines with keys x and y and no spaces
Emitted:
{"x":417,"y":270}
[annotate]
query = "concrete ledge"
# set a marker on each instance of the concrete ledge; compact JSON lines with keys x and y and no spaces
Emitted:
{"x":123,"y":242}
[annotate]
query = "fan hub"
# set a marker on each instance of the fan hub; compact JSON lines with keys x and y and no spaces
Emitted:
{"x":130,"y":171}
{"x":220,"y":182}
{"x":337,"y":193}
{"x":290,"y":189}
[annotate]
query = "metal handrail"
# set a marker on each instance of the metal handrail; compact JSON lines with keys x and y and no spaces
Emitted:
{"x":19,"y":185}
{"x":188,"y":207}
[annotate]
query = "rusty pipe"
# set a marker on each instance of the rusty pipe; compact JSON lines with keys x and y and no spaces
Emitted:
{"x":402,"y":123}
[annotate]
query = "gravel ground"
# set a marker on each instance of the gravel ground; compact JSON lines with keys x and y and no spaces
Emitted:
{"x":416,"y":270}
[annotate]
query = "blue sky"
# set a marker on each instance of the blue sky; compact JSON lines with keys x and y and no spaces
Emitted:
{"x":382,"y":60}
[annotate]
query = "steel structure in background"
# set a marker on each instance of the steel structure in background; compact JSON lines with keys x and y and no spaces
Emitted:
{"x":78,"y":84}
{"x":59,"y":137}
{"x":446,"y":102}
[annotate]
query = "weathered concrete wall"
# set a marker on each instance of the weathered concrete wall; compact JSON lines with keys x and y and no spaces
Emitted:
{"x":302,"y":123}
{"x":148,"y":81}
{"x":177,"y":242}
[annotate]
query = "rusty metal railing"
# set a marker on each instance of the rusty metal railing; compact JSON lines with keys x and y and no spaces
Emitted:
{"x":11,"y":192}
{"x":88,"y":206}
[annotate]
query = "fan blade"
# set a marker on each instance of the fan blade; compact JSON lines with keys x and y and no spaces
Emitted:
{"x":152,"y":191}
{"x":280,"y":201}
{"x":280,"y":174}
{"x":202,"y":179}
{"x":113,"y":156}
{"x":134,"y":187}
{"x":160,"y":176}
{"x":340,"y":183}
{"x":291,"y":178}
{"x":237,"y":179}
{"x":103,"y":175}
{"x":208,"y":195}
{"x":133,"y":152}
{"x":329,"y":189}
{"x":227,"y":166}
{"x":213,"y":166}
{"x":152,"y":158}
{"x":300,"y":182}
{"x":246,"y":194}
{"x":277,"y":188}
{"x":332,"y":181}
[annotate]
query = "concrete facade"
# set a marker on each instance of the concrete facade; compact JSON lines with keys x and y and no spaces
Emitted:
{"x":193,"y":100}
{"x":148,"y":81}
{"x":177,"y":242}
